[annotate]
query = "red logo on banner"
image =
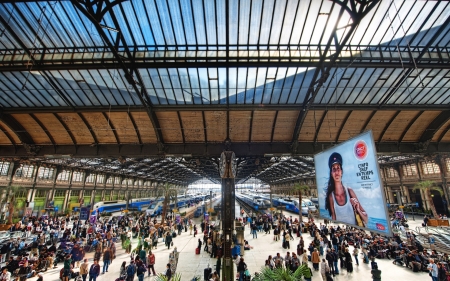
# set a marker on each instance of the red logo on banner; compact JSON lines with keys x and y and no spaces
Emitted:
{"x":380,"y":226}
{"x":360,"y":150}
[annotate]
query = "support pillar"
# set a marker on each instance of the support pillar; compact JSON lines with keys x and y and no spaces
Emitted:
{"x":227,"y":172}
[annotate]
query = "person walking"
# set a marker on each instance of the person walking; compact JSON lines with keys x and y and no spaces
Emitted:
{"x":94,"y":271}
{"x":324,"y":269}
{"x":84,"y":269}
{"x":355,"y":255}
{"x":151,"y":263}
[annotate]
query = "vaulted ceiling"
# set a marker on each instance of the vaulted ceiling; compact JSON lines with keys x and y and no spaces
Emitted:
{"x":175,"y":79}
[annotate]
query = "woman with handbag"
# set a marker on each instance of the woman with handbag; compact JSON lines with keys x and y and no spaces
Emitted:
{"x":341,"y":201}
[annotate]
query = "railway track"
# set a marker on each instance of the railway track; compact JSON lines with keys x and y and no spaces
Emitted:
{"x":247,"y":208}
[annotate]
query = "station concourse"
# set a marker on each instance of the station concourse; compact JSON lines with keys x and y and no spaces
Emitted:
{"x":116,"y":100}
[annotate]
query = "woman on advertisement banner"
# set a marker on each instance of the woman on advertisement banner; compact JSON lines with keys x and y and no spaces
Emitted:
{"x":341,"y":201}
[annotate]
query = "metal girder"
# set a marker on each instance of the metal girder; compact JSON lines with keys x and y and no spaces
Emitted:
{"x":17,"y":128}
{"x":35,"y":62}
{"x":316,"y":82}
{"x":218,"y":107}
{"x":408,"y":71}
{"x":434,"y":126}
{"x":95,"y":18}
{"x":10,"y":66}
{"x":211,"y":149}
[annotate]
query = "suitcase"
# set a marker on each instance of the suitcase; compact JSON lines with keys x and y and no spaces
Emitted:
{"x":298,"y":233}
{"x":206,"y":273}
{"x":197,"y":251}
{"x":174,"y":234}
{"x":309,"y":258}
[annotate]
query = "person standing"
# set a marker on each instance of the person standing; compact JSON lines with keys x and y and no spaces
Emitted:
{"x":94,"y":271}
{"x":168,"y":240}
{"x":348,"y":261}
{"x":168,"y":272}
{"x":140,"y":272}
{"x":376,"y":273}
{"x":106,"y":260}
{"x":84,"y":269}
{"x":433,"y":269}
{"x":123,"y":270}
{"x":335,"y":261}
{"x":131,"y":270}
{"x":242,"y":266}
{"x":329,"y":257}
{"x":151,"y":262}
{"x":315,"y":259}
{"x":431,"y":240}
{"x":67,"y":267}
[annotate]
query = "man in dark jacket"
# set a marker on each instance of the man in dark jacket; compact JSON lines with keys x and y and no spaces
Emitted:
{"x":106,"y":260}
{"x":94,"y":271}
{"x":330,"y":259}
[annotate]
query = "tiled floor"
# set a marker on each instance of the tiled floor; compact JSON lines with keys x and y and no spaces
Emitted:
{"x":191,"y":265}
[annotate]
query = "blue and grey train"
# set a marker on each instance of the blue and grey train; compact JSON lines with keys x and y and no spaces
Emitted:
{"x":118,"y":205}
{"x":292,"y":205}
{"x":156,"y":208}
{"x":256,"y":202}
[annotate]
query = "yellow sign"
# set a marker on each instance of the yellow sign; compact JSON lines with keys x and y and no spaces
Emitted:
{"x":401,"y":207}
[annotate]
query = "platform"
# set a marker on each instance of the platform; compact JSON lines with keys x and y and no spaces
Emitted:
{"x":191,"y":265}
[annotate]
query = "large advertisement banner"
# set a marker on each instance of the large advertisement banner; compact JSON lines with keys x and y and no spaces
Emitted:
{"x":349,"y":185}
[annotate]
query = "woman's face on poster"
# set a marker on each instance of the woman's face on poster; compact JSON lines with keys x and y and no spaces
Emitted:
{"x":336,"y":172}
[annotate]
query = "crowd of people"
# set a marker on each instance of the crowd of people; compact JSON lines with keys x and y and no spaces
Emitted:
{"x":334,"y":248}
{"x":47,"y":241}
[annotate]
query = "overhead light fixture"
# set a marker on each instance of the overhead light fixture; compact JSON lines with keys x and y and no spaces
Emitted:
{"x":109,"y":28}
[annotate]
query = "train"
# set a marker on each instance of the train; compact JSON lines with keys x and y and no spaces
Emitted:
{"x":261,"y":202}
{"x":155,"y":209}
{"x":256,"y":202}
{"x":118,"y":205}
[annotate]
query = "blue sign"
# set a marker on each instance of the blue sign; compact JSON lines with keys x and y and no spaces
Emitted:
{"x":417,"y":205}
{"x":84,"y":213}
{"x":56,"y":209}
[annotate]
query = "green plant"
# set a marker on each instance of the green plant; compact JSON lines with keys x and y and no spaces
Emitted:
{"x":427,"y":186}
{"x":280,"y":274}
{"x":300,"y":188}
{"x":13,"y":191}
{"x":175,"y":277}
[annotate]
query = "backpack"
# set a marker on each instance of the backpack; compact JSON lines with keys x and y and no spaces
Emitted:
{"x":131,"y":269}
{"x":141,"y":270}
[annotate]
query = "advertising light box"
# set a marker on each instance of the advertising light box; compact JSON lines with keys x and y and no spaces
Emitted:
{"x":350,"y":189}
